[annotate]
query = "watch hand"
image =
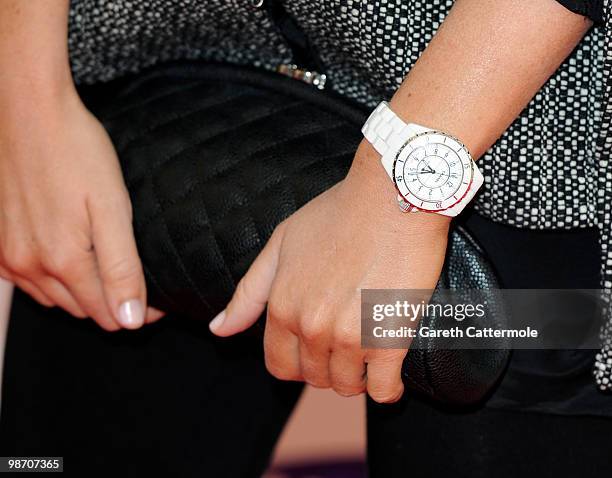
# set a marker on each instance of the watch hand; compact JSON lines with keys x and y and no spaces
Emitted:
{"x":429,"y":168}
{"x":424,"y":171}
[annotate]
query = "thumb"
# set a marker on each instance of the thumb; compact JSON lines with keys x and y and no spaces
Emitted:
{"x":119,"y":264}
{"x":252,"y":292}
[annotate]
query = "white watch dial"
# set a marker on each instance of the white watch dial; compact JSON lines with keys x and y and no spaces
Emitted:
{"x":433,"y":171}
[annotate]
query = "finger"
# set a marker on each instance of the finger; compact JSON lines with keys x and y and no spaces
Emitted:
{"x":32,"y":290}
{"x":81,"y":279}
{"x":119,"y":265}
{"x":27,"y":286}
{"x":153,"y":315}
{"x":314,"y":364}
{"x":252,"y":292}
{"x":347,"y":372}
{"x":282,"y":352}
{"x":347,"y":362}
{"x":57,"y":292}
{"x":384,"y":375}
{"x":315,"y":350}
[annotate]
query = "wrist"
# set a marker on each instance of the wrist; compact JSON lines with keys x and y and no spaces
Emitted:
{"x":32,"y":101}
{"x":34,"y":89}
{"x":374,"y":184}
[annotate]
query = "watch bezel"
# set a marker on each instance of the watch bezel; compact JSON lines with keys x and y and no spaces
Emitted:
{"x":434,"y":206}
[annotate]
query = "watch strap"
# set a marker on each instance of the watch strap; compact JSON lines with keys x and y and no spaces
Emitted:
{"x":387,"y":132}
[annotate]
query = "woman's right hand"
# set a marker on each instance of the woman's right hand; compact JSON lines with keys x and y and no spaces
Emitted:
{"x":66,"y":233}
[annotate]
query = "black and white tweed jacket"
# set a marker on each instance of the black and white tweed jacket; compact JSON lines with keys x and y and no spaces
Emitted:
{"x":550,"y":170}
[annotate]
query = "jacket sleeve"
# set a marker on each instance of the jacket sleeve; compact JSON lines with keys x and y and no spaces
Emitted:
{"x":592,"y":9}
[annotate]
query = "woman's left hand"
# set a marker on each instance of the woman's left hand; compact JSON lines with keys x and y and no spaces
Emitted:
{"x":312,"y":270}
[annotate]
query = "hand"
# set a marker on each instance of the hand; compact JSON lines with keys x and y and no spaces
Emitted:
{"x":65,"y":215}
{"x":310,"y":274}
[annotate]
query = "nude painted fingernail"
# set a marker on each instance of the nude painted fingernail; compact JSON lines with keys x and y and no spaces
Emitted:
{"x":217,"y":322}
{"x":154,"y":314}
{"x":131,"y":314}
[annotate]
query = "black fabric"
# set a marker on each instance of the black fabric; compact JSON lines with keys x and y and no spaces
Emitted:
{"x":593,"y":9}
{"x":414,"y":439}
{"x":168,"y":400}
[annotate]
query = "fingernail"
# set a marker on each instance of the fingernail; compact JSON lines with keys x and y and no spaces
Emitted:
{"x":217,"y":321}
{"x":131,"y":314}
{"x":154,"y":314}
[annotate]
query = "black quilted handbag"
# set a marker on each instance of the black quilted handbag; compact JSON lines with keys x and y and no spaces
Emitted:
{"x":215,"y":156}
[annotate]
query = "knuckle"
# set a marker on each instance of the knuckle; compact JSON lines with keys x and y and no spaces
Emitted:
{"x":386,"y":396}
{"x":61,"y":263}
{"x":279,"y":312}
{"x":280,"y":371}
{"x":120,"y":271}
{"x":317,"y":383}
{"x":349,"y":391}
{"x":314,"y":326}
{"x":315,"y":376}
{"x":348,"y":386}
{"x":387,"y":359}
{"x":347,"y":339}
{"x":312,"y":330}
{"x":20,"y":259}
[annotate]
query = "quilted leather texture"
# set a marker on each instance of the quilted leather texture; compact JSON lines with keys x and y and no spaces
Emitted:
{"x":214,"y":157}
{"x":461,"y":375}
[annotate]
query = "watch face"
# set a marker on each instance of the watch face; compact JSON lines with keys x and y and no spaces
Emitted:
{"x":433,"y":171}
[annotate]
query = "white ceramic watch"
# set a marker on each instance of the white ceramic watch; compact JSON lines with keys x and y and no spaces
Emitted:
{"x":432,"y":171}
